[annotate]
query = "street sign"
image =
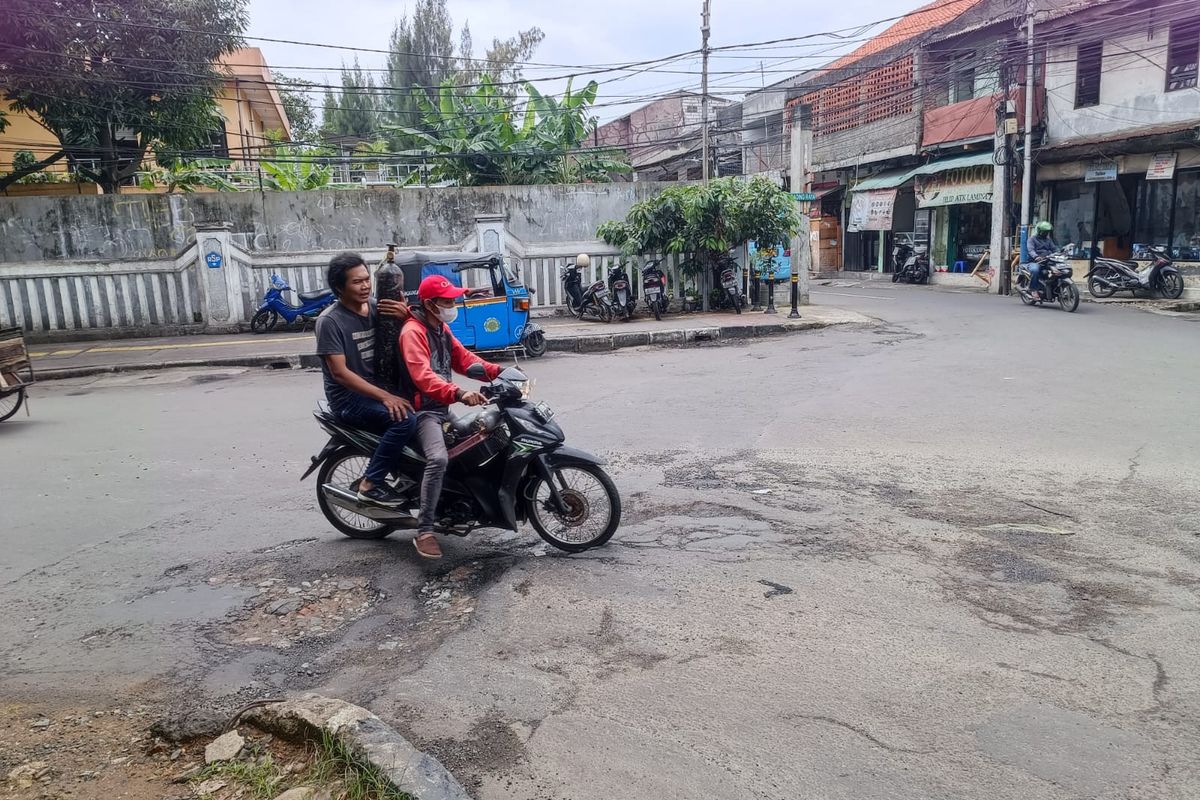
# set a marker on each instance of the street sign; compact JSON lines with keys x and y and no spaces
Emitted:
{"x":213,"y":259}
{"x":804,"y":197}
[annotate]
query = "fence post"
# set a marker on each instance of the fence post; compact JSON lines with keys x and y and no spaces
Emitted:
{"x":219,"y":278}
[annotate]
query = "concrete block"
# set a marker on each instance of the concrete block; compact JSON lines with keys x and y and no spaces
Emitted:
{"x":771,"y":329}
{"x":737,"y":331}
{"x":594,"y":343}
{"x":631,"y":339}
{"x":702,"y":335}
{"x":666,"y":337}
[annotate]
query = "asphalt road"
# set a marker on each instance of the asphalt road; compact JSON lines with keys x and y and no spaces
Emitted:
{"x":954,"y":555}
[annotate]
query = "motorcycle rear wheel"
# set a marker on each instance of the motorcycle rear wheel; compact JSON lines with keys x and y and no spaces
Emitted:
{"x":1068,"y":296}
{"x":264,"y":320}
{"x":656,"y":307}
{"x":586,"y":489}
{"x":605,"y":312}
{"x":344,"y":469}
{"x":1170,"y":284}
{"x":1097,"y":287}
{"x":896,"y":277}
{"x":535,"y":344}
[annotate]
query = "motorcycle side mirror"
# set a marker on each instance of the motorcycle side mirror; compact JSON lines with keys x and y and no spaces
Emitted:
{"x":476,"y":372}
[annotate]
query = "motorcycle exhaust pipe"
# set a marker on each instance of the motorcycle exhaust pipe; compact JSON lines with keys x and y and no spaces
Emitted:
{"x":345,"y":499}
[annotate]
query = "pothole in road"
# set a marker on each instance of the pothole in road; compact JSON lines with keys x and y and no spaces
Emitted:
{"x":284,"y":614}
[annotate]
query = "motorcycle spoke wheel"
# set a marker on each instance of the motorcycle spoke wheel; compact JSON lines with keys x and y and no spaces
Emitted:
{"x":263,"y":321}
{"x":344,"y":471}
{"x":593,"y":508}
{"x":1171,"y":285}
{"x":1097,"y":286}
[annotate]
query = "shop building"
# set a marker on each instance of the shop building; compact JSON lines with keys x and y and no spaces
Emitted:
{"x":1119,"y":170}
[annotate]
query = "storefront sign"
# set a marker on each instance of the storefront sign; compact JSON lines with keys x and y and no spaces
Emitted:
{"x":1100,"y":171}
{"x":872,"y":211}
{"x":1162,"y":167}
{"x":782,"y":255}
{"x":954,"y":187}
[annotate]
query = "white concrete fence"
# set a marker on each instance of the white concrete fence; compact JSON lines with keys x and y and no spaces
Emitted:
{"x":215,"y":285}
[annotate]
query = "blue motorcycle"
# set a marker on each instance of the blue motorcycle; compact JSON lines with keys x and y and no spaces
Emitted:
{"x":274,"y":307}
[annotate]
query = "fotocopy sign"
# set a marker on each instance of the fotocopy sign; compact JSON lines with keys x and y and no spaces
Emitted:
{"x":872,"y":211}
{"x":954,"y":187}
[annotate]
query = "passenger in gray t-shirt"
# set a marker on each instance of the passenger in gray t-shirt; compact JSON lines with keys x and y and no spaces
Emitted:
{"x":346,"y":345}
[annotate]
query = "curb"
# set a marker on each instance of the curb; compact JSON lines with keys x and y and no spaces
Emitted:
{"x":366,"y":737}
{"x":586,"y":343}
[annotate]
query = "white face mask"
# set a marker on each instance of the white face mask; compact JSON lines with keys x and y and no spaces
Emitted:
{"x":447,"y":315}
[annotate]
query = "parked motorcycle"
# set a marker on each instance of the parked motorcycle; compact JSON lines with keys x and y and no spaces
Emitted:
{"x":654,"y":288}
{"x":731,"y":292}
{"x":1055,"y":280}
{"x":274,"y":307}
{"x":1109,"y":276}
{"x":508,"y":465}
{"x":621,"y":291}
{"x":580,"y":302}
{"x":910,"y":263}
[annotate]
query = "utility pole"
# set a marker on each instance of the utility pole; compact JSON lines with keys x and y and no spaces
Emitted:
{"x":1027,"y":179}
{"x":704,"y":88}
{"x":704,"y":279}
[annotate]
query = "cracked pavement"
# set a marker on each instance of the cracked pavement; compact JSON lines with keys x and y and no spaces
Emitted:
{"x":920,"y":559}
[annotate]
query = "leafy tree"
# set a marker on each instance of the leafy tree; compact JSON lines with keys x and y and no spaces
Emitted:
{"x":296,"y":96}
{"x":188,"y":176}
{"x":705,"y":221}
{"x":355,"y":110}
{"x":478,"y":138}
{"x":111,"y":80}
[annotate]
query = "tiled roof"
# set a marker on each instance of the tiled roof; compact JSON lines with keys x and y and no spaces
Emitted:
{"x":925,"y":19}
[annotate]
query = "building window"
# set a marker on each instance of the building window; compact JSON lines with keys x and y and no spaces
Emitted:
{"x":1075,"y":216}
{"x":962,"y":78}
{"x":1154,"y":200}
{"x":1185,"y":239}
{"x":1087,"y":74}
{"x":1183,"y":54}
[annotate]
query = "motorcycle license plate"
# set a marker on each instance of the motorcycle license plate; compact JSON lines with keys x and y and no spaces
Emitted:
{"x":655,"y":292}
{"x":730,"y":284}
{"x":544,"y":412}
{"x":602,"y":293}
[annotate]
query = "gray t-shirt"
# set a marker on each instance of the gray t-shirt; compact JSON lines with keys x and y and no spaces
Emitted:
{"x":340,"y":331}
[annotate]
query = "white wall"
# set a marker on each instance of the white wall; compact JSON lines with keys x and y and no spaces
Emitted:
{"x":1132,"y":88}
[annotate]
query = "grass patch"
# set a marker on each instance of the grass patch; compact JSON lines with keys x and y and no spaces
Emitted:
{"x":331,"y":768}
{"x":333,"y":764}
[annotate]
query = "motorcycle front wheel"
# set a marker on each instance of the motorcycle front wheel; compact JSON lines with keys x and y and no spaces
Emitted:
{"x":1068,"y":296}
{"x":1170,"y":284}
{"x":593,"y":508}
{"x":656,"y":307}
{"x":344,"y":469}
{"x":895,"y":277}
{"x":264,"y":320}
{"x":574,"y":308}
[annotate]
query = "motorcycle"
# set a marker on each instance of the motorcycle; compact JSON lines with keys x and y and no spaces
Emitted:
{"x":654,"y":288}
{"x":623,"y":301}
{"x":910,"y":263}
{"x":582,"y":302}
{"x":1109,"y":276}
{"x":1055,"y":279}
{"x":731,"y":293}
{"x":274,"y":307}
{"x":508,"y":465}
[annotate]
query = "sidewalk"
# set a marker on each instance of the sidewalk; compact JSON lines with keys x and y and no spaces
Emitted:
{"x":295,"y":348}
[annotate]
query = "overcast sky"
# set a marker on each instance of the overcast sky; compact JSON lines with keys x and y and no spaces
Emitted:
{"x":605,"y":32}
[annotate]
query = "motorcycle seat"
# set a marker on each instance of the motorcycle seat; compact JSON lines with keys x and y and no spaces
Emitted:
{"x":317,"y":295}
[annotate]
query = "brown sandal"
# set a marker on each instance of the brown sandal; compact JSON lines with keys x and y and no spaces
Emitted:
{"x":427,"y":546}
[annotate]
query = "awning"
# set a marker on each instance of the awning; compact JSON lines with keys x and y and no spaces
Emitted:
{"x":894,"y":178}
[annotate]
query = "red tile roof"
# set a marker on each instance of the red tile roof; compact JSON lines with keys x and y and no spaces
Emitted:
{"x":926,"y":18}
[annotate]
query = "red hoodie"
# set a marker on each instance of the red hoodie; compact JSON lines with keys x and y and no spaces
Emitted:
{"x":432,"y":388}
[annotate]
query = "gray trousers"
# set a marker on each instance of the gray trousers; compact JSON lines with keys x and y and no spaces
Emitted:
{"x":433,"y":445}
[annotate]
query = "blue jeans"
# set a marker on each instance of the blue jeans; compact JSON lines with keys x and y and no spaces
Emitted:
{"x":1035,"y":273}
{"x":363,"y":412}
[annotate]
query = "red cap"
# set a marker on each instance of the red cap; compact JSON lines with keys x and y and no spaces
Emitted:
{"x":438,"y":286}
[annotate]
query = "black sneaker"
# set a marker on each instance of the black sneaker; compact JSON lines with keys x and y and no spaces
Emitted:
{"x":382,"y":495}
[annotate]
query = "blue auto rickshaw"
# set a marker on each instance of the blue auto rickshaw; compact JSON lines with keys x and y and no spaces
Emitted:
{"x":495,"y":310}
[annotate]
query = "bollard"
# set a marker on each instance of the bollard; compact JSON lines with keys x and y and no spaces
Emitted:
{"x":755,"y":302}
{"x":795,"y":295}
{"x":771,"y":296}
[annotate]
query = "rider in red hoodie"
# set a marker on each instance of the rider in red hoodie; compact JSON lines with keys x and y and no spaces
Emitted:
{"x":432,"y":354}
